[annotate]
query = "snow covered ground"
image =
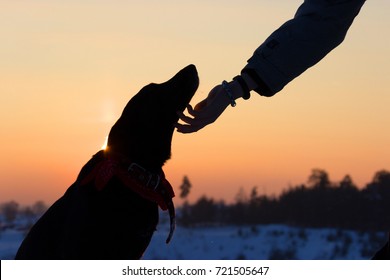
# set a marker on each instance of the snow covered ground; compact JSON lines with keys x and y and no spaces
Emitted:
{"x":263,"y":242}
{"x":242,"y":242}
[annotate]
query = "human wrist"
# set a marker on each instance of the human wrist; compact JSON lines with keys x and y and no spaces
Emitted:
{"x":236,"y":89}
{"x":231,"y":92}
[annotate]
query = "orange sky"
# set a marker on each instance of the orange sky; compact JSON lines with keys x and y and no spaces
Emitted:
{"x":67,"y":69}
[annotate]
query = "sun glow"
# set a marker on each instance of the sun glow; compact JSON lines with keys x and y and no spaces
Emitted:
{"x":104,"y":146}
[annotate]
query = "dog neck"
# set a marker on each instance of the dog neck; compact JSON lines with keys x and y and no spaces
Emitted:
{"x":151,"y":186}
{"x":147,"y":177}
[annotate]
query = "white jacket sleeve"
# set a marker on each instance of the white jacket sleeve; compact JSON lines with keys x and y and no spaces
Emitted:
{"x":317,"y":28}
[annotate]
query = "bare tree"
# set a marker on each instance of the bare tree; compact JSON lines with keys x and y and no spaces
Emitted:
{"x":319,"y":179}
{"x":185,"y":187}
{"x":10,"y":211}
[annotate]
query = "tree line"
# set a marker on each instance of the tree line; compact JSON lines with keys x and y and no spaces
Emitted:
{"x":318,"y":203}
{"x":11,"y":210}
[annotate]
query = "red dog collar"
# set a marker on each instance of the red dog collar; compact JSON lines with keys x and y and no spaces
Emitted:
{"x":151,"y":186}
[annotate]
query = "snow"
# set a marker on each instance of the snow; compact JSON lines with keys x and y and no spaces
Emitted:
{"x":241,"y":242}
{"x":9,"y":243}
{"x":259,"y":242}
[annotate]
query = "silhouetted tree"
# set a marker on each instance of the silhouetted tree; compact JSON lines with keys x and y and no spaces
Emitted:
{"x":382,"y":177}
{"x":346,"y":204}
{"x":253,"y":195}
{"x":184,"y":218}
{"x":347,"y":183}
{"x":238,"y":211}
{"x":10,"y":211}
{"x":185,"y":214}
{"x":185,"y":187}
{"x":253,"y":207}
{"x":320,"y":204}
{"x":201,"y":212}
{"x":377,"y":205}
{"x":241,"y":196}
{"x":319,"y":179}
{"x":380,"y":184}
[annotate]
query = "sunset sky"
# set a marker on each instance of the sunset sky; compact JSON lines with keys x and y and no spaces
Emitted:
{"x":68,"y":68}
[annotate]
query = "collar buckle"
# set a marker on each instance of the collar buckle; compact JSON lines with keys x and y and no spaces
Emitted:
{"x":151,"y":180}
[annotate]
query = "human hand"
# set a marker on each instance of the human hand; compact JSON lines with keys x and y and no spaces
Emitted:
{"x":208,"y":110}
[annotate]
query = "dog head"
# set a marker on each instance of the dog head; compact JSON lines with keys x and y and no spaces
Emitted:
{"x":144,"y":131}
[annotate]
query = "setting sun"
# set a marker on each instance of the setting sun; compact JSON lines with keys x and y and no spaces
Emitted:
{"x":104,"y":146}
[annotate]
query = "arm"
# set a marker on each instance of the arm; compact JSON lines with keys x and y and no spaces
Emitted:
{"x":316,"y":29}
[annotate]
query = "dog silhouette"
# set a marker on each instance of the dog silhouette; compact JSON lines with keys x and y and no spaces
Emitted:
{"x":111,"y":210}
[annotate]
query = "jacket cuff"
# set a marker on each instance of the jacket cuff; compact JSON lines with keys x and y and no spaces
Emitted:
{"x":261,"y":86}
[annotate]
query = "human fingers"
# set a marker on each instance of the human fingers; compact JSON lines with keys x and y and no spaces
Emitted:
{"x":208,"y":100}
{"x":204,"y":113}
{"x":192,"y":111}
{"x":194,"y":118}
{"x":184,"y":118}
{"x":193,"y":127}
{"x":185,"y":128}
{"x":192,"y":123}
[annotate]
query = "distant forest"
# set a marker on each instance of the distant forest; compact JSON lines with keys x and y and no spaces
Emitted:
{"x":319,"y":203}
